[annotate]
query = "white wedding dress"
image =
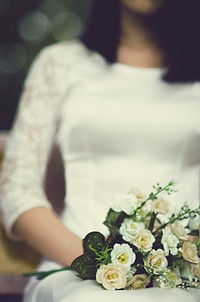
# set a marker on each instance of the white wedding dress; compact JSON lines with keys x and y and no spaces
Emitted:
{"x":117,"y":127}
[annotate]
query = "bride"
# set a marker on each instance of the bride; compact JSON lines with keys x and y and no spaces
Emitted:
{"x":123,"y":104}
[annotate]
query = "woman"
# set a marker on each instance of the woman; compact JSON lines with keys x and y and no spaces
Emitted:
{"x":123,"y":105}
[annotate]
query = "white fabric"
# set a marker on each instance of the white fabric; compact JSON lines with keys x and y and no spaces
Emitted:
{"x":67,"y":287}
{"x":117,"y":126}
{"x":21,"y":180}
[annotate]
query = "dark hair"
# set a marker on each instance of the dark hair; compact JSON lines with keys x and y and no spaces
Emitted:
{"x":176,"y":28}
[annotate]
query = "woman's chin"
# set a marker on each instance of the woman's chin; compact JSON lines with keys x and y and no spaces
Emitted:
{"x":142,"y":7}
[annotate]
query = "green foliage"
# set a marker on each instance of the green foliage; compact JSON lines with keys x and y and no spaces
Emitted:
{"x":113,"y":221}
{"x":98,"y":249}
{"x":85,"y":266}
{"x":93,"y":243}
{"x":103,"y":257}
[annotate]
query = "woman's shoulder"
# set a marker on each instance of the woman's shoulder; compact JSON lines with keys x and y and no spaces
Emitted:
{"x":64,"y":51}
{"x":68,"y":58}
{"x":71,"y":52}
{"x":56,"y":59}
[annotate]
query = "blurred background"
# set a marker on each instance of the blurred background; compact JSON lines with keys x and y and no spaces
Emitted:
{"x":26,"y":26}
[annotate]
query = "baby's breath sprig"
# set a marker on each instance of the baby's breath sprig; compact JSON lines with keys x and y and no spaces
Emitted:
{"x":169,"y":188}
{"x":184,"y":213}
{"x":167,"y":278}
{"x":186,"y":284}
{"x":150,"y":270}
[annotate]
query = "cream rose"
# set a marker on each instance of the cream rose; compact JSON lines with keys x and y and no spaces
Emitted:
{"x":139,"y":195}
{"x":138,"y":282}
{"x":127,"y":203}
{"x":189,"y":252}
{"x":179,"y":231}
{"x":112,"y":276}
{"x":169,"y":242}
{"x":129,"y":229}
{"x":161,"y":206}
{"x":123,"y":254}
{"x":144,"y":240}
{"x":157,"y":260}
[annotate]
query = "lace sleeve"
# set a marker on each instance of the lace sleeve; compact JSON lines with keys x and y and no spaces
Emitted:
{"x":30,"y":141}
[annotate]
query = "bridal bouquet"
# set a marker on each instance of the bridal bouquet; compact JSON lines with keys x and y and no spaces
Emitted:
{"x":147,"y":245}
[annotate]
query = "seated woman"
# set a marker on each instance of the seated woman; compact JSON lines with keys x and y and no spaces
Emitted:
{"x":123,"y":104}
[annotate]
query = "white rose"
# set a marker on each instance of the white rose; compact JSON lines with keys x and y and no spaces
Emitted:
{"x":161,"y":206}
{"x":189,"y":252}
{"x":179,"y":231}
{"x":157,"y":260}
{"x":169,"y":242}
{"x":112,"y":276}
{"x":127,"y":203}
{"x":129,"y":229}
{"x":138,"y":282}
{"x":144,"y":240}
{"x":123,"y":254}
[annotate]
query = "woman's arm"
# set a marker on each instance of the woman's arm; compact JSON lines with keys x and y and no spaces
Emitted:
{"x":24,"y":208}
{"x":42,"y":229}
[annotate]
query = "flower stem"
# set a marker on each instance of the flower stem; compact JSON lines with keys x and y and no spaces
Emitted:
{"x":42,"y":275}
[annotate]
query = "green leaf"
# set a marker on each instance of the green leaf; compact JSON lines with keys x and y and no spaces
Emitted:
{"x":85,"y":266}
{"x":113,"y":221}
{"x":93,"y":243}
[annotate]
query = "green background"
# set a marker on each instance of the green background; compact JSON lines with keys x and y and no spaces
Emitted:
{"x":25,"y":27}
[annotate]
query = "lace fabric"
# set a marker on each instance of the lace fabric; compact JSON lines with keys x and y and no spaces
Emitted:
{"x":34,"y":131}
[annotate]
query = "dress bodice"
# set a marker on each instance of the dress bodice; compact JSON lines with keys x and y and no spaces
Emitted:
{"x":117,"y":127}
{"x":121,"y":127}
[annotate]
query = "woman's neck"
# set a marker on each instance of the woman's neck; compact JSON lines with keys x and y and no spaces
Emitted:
{"x":137,"y":46}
